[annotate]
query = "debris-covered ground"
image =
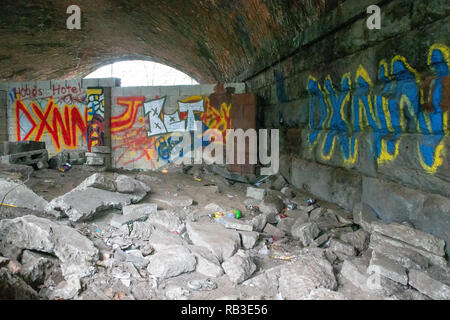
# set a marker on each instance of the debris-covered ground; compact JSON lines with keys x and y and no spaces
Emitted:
{"x":191,"y":234}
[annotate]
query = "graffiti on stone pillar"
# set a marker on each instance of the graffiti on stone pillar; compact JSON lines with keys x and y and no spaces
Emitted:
{"x":95,"y":117}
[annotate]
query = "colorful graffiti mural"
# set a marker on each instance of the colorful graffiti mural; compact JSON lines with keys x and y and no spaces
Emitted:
{"x":144,"y":135}
{"x":95,"y":117}
{"x":399,"y":108}
{"x":56,"y":115}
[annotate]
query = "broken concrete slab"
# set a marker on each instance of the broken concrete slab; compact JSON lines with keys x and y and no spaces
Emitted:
{"x":100,"y":181}
{"x":377,"y":239}
{"x":429,"y":286}
{"x":317,"y":213}
{"x":341,"y":248}
{"x":171,"y":262}
{"x":298,"y":215}
{"x":223,"y":243}
{"x":145,"y":208}
{"x":411,"y":236}
{"x":297,"y":280}
{"x":81,"y":205}
{"x":407,"y":258}
{"x":256,"y":193}
{"x":19,"y":195}
{"x":76,"y":252}
{"x":248,"y":239}
{"x":305,"y":232}
{"x":207,"y":263}
{"x":158,"y":237}
{"x":239,"y":267}
{"x":286,"y":224}
{"x":271,"y":205}
{"x":166,"y":219}
{"x":117,"y":221}
{"x":236,"y":224}
{"x":126,"y":184}
{"x":381,"y":264}
{"x":259,"y":222}
{"x":67,"y":289}
{"x":273,"y":231}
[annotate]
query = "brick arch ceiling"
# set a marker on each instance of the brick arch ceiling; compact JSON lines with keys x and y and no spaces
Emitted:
{"x":211,"y":40}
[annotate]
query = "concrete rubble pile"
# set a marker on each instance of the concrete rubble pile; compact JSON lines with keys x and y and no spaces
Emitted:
{"x":267,"y":242}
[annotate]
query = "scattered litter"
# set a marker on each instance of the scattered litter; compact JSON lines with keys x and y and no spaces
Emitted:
{"x":65,"y":167}
{"x":311,"y":201}
{"x":165,"y":171}
{"x":198,"y":179}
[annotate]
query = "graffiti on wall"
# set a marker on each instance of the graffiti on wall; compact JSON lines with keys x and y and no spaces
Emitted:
{"x":404,"y":105}
{"x":144,"y":135}
{"x":56,"y":115}
{"x":95,"y":117}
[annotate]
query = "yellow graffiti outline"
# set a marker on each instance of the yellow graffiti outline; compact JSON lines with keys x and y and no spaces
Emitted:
{"x":385,"y":156}
{"x":438,"y":159}
{"x":352,"y":158}
{"x":362,"y":72}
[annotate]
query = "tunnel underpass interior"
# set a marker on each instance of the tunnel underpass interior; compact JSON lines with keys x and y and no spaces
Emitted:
{"x":361,"y":115}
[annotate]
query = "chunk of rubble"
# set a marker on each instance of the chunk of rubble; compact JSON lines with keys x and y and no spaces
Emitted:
{"x":13,"y":287}
{"x":271,"y":206}
{"x":266,"y":281}
{"x":19,"y":195}
{"x":126,"y":184}
{"x":256,"y":193}
{"x":239,"y":225}
{"x":279,"y":183}
{"x":429,"y":286}
{"x":223,"y":243}
{"x":273,"y":231}
{"x":305,"y":232}
{"x":146,"y":208}
{"x":414,"y":237}
{"x":298,"y":215}
{"x":158,"y":237}
{"x":377,"y":239}
{"x":325,"y":294}
{"x":286,"y":224}
{"x":207,"y":263}
{"x":3,"y":261}
{"x":341,"y":248}
{"x":239,"y":267}
{"x":248,"y":239}
{"x":85,"y":204}
{"x":304,"y":275}
{"x":76,"y":252}
{"x":35,"y":267}
{"x":117,"y":221}
{"x":381,"y":264}
{"x":166,"y":219}
{"x":355,"y":271}
{"x":259,"y":222}
{"x":171,"y":262}
{"x":407,"y":258}
{"x":358,"y":239}
{"x":99,"y":181}
{"x":67,"y":289}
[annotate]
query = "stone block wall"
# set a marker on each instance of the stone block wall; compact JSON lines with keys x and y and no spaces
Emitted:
{"x":370,"y":109}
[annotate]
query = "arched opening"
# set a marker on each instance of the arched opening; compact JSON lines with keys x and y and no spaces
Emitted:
{"x":136,"y":73}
